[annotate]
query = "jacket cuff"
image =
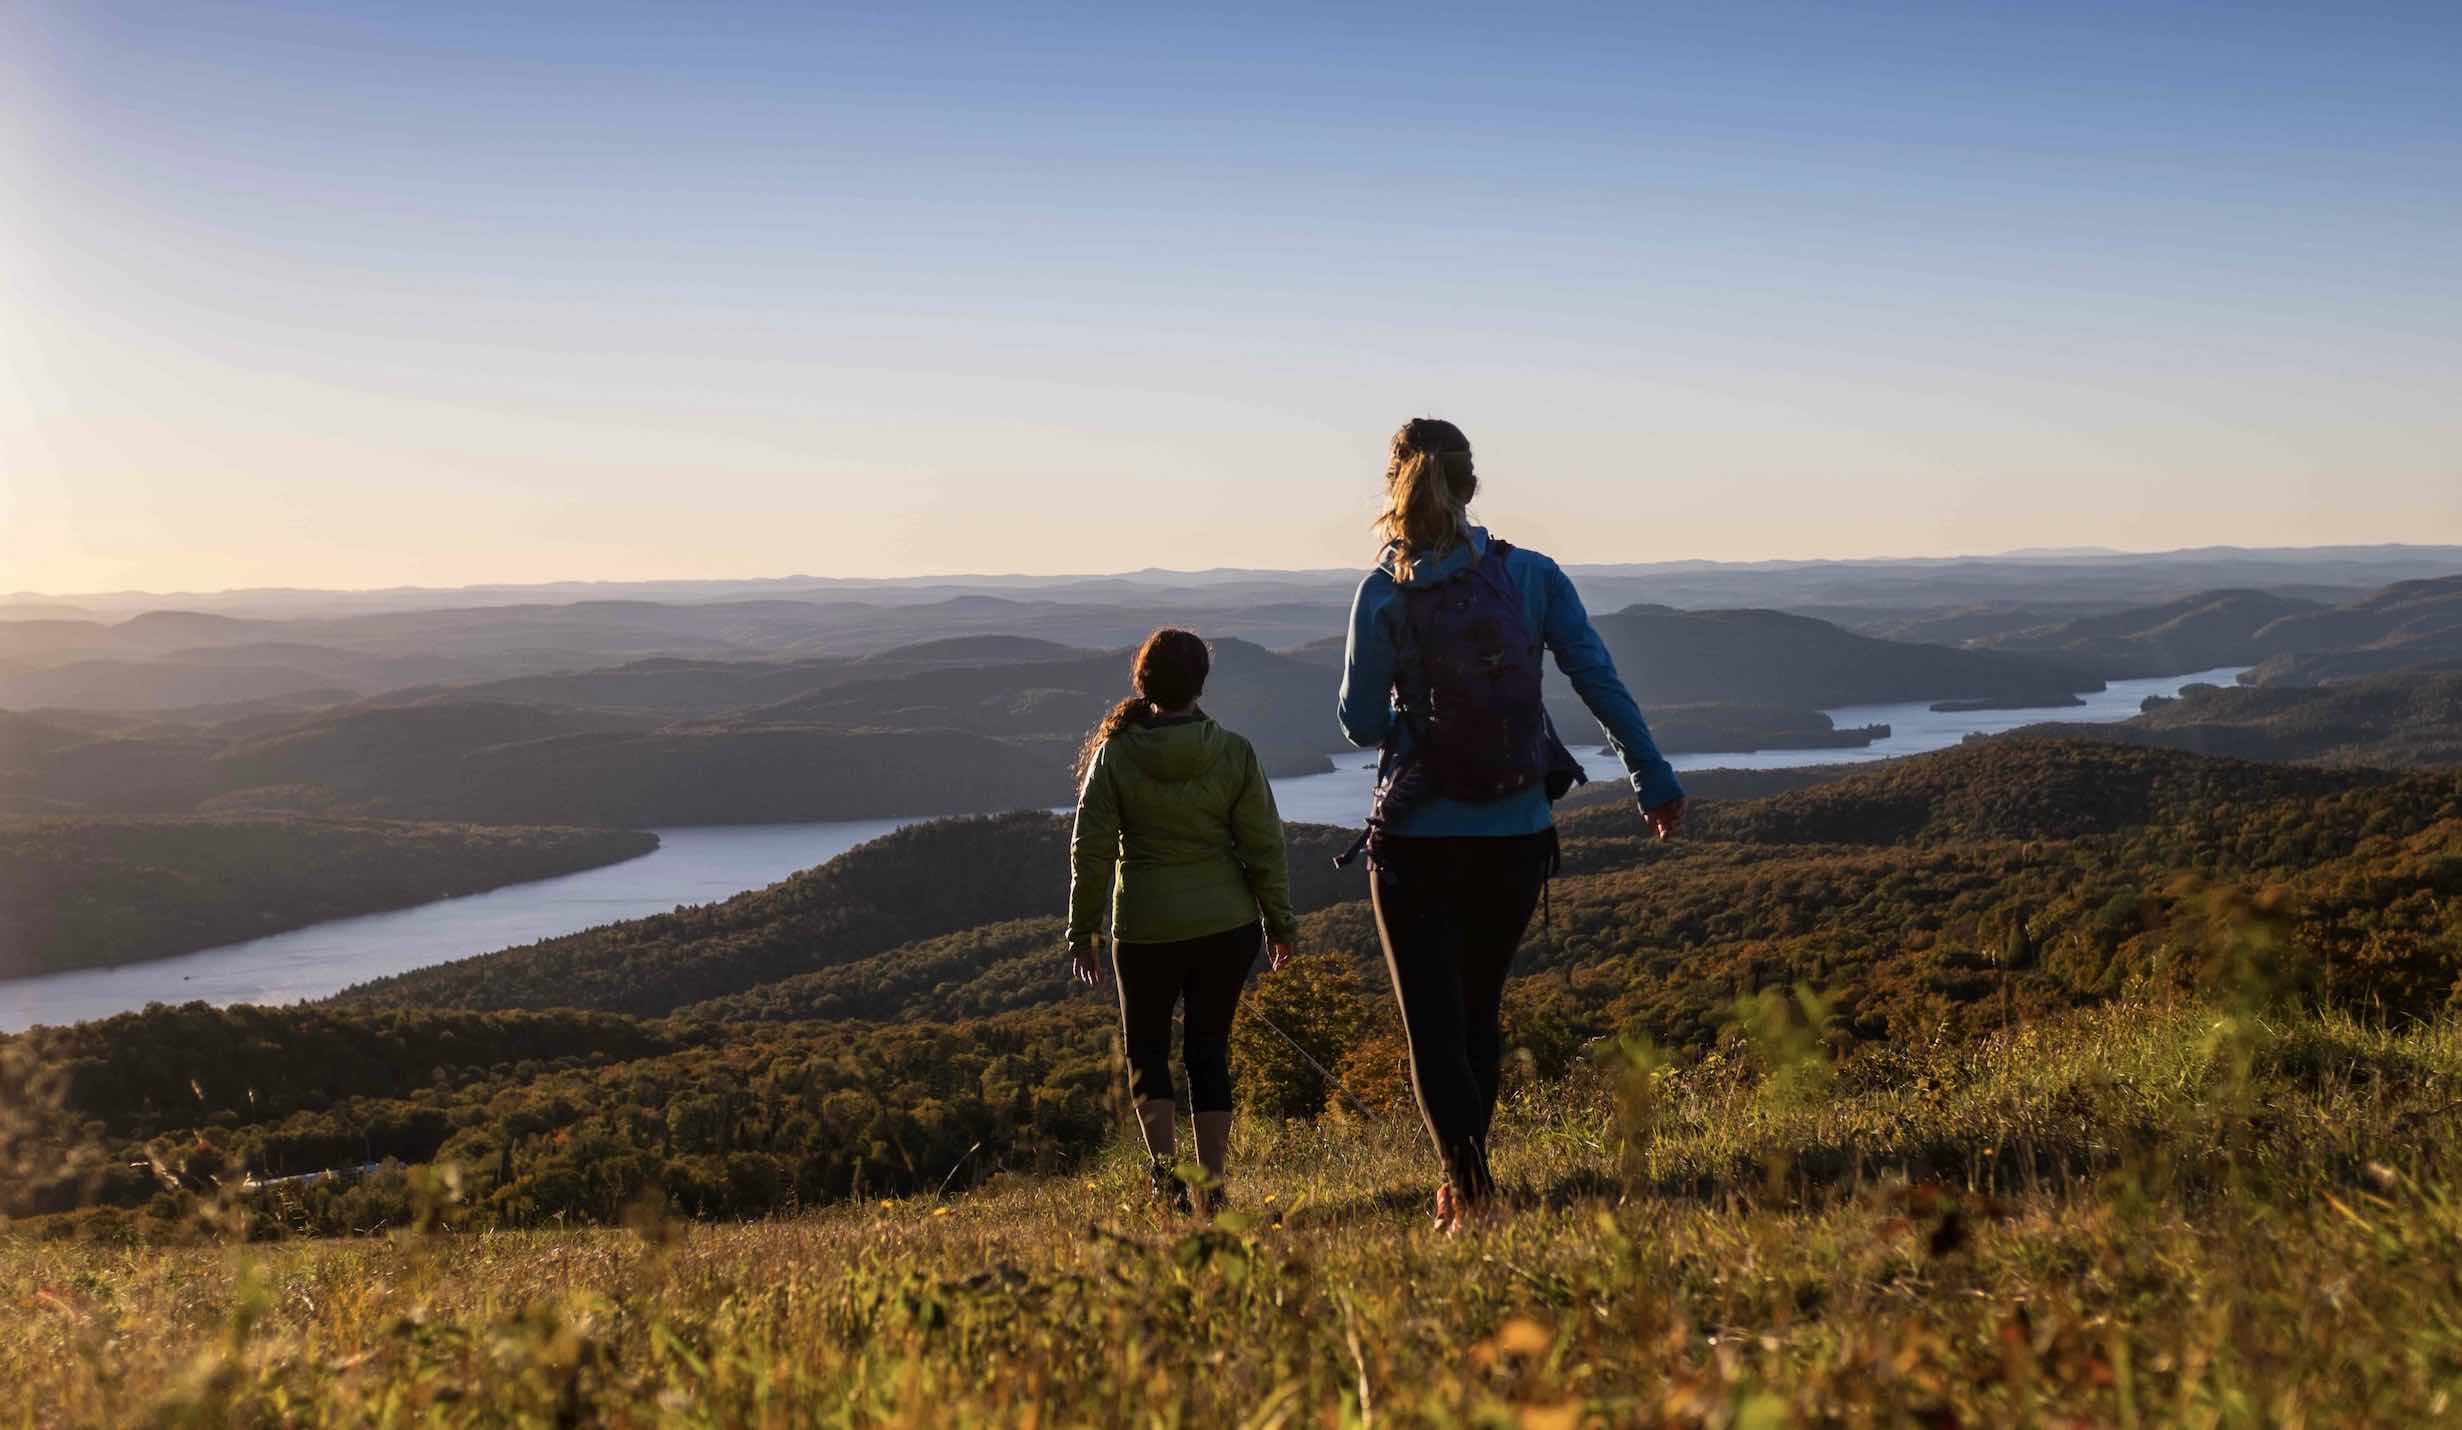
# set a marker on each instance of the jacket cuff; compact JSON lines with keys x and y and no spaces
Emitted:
{"x":1656,"y":785}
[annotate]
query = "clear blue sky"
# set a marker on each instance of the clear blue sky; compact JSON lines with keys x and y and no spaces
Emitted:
{"x":358,"y":294}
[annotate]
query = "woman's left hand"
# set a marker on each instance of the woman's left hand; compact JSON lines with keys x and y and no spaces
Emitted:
{"x":1277,"y":954}
{"x":1087,"y":966}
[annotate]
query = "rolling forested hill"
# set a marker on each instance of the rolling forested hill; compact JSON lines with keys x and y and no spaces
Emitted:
{"x":446,"y":758}
{"x":1677,"y":657}
{"x":79,"y":892}
{"x":1283,"y":705}
{"x":2414,"y":625}
{"x":678,"y":688}
{"x":2411,"y":625}
{"x":2200,"y":632}
{"x":2411,"y":720}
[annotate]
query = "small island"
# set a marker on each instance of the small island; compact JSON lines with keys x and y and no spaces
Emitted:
{"x":1744,"y":729}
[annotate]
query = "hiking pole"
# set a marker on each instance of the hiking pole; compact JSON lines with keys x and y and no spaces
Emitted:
{"x":1350,"y":1104}
{"x":943,"y":1193}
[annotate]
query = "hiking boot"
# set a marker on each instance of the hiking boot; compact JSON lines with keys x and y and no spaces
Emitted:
{"x":1169,"y":1189}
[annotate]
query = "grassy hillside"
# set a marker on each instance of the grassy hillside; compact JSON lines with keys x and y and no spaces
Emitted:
{"x":2152,"y":1214}
{"x":79,"y":892}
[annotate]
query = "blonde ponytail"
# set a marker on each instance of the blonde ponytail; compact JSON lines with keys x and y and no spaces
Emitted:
{"x":1429,"y":481}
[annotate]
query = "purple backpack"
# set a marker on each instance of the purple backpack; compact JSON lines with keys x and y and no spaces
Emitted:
{"x":1478,"y":725}
{"x":1468,"y":687}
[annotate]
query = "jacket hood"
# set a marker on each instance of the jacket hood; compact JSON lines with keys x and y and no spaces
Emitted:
{"x":1173,"y":752}
{"x":1444,"y":568}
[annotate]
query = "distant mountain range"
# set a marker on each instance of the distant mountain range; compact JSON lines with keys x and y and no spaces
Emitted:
{"x":171,"y":660}
{"x":921,"y":699}
{"x":955,"y":725}
{"x":116,"y":654}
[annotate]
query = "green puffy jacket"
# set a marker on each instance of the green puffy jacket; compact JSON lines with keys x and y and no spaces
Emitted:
{"x":1178,"y":815}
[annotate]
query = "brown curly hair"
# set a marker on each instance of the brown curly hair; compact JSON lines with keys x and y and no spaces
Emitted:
{"x":1169,"y":671}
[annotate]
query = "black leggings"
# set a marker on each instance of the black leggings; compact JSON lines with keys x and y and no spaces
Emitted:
{"x":1450,"y":913}
{"x":1209,"y":971}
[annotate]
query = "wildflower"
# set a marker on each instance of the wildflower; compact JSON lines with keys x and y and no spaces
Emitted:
{"x":940,"y":1211}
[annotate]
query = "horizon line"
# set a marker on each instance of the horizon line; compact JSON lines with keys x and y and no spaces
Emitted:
{"x":2029,"y":554}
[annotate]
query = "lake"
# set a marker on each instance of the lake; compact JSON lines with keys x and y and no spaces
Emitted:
{"x":705,"y":864}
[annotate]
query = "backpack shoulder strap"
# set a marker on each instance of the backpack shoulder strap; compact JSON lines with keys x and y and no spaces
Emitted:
{"x":1493,"y":567}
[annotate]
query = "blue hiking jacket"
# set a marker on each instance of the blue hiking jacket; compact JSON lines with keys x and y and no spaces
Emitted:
{"x":1558,"y":621}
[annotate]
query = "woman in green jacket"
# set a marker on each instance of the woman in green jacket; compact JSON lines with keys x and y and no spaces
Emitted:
{"x":1177,"y":832}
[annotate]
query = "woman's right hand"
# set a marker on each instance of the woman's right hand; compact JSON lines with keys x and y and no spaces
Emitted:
{"x":1277,"y":954}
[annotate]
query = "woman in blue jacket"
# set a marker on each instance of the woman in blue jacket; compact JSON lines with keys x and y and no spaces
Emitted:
{"x":1454,"y":881}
